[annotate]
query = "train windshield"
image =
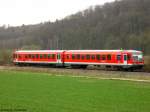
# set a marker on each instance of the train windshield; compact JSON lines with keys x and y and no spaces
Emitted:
{"x":138,"y":57}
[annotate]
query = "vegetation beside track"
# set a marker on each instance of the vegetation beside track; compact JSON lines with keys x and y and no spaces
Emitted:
{"x":46,"y":92}
{"x":5,"y":57}
{"x":147,"y":63}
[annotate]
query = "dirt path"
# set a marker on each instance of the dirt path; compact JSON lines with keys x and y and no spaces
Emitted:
{"x":100,"y":74}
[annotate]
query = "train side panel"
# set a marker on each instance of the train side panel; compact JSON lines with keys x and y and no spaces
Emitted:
{"x":114,"y":58}
{"x":37,"y":57}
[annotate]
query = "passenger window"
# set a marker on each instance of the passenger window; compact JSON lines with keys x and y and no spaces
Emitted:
{"x":53,"y":56}
{"x":45,"y":56}
{"x":98,"y":57}
{"x":33,"y":56}
{"x":73,"y":56}
{"x":109,"y":57}
{"x":103,"y":57}
{"x":78,"y":56}
{"x":118,"y":57}
{"x":87,"y":56}
{"x":36,"y":56}
{"x":49,"y":56}
{"x":82,"y":57}
{"x":93,"y":57}
{"x":41,"y":56}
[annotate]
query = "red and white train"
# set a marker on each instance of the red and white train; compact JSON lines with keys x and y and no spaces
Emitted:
{"x":120,"y":59}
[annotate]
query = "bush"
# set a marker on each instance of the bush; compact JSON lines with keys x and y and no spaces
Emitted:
{"x":5,"y":57}
{"x":147,"y":63}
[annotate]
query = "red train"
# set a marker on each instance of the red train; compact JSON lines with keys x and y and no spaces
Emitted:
{"x":119,"y":59}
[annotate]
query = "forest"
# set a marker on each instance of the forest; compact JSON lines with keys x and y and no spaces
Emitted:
{"x":122,"y":24}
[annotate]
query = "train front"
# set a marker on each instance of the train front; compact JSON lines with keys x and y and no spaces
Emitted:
{"x":137,"y":60}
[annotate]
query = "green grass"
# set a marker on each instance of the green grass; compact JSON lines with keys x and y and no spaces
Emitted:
{"x":41,"y":92}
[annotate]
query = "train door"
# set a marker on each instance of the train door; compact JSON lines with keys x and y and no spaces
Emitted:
{"x":59,"y":58}
{"x":125,"y":59}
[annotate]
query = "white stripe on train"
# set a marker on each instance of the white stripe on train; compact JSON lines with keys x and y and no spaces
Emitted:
{"x":79,"y":63}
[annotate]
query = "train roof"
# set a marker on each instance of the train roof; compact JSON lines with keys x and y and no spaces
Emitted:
{"x":43,"y":51}
{"x":103,"y":51}
{"x":34,"y":51}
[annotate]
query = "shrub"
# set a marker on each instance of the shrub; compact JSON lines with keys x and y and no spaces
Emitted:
{"x":147,"y":63}
{"x":5,"y":57}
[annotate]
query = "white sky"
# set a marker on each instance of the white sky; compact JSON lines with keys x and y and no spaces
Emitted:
{"x":18,"y":12}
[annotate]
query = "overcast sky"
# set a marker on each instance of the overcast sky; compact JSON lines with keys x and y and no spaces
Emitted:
{"x":18,"y":12}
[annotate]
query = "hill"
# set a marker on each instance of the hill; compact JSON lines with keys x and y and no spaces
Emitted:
{"x":120,"y":24}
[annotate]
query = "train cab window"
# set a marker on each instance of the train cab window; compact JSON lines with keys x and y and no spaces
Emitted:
{"x":53,"y":56}
{"x":49,"y":56}
{"x":82,"y":57}
{"x":98,"y":57}
{"x":67,"y":56}
{"x":118,"y":57}
{"x":108,"y":57}
{"x":93,"y":57}
{"x":87,"y":56}
{"x":78,"y":56}
{"x":73,"y":56}
{"x":103,"y":57}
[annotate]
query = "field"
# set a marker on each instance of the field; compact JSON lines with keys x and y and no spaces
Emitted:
{"x":44,"y":92}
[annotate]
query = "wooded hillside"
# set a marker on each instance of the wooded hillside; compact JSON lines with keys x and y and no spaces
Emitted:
{"x":120,"y":24}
